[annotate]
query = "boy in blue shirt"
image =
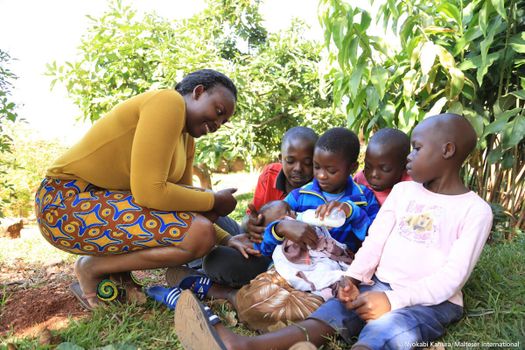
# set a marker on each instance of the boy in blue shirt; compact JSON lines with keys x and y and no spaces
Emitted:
{"x":335,"y":160}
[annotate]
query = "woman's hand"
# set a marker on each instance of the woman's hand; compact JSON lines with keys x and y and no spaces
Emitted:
{"x":225,"y":202}
{"x":326,"y":209}
{"x":298,"y":232}
{"x":255,"y":225}
{"x":243,"y":244}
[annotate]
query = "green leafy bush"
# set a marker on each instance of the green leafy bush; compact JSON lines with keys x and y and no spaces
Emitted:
{"x":7,"y":116}
{"x":276,"y":74}
{"x":456,"y":56}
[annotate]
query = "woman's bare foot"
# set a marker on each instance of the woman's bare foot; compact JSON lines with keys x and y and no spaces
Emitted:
{"x":88,"y":282}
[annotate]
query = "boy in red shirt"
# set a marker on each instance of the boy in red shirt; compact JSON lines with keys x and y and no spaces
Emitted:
{"x":294,"y":170}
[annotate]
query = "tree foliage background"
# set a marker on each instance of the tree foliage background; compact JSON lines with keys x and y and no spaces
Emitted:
{"x":460,"y":56}
{"x":7,"y":116}
{"x":276,"y":73}
{"x":27,"y":162}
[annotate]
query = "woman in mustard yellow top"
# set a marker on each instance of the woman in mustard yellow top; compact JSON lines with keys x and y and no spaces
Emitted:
{"x":122,"y":195}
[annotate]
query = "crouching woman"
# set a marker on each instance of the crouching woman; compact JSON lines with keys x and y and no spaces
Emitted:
{"x":122,"y":197}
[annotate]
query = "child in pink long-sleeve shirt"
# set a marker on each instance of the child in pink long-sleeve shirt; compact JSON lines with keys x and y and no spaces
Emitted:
{"x":404,"y":286}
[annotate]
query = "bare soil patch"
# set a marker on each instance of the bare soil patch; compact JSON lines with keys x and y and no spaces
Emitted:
{"x":37,"y":298}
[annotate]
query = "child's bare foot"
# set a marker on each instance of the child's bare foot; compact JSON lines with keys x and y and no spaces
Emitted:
{"x":231,"y":340}
{"x":88,"y":282}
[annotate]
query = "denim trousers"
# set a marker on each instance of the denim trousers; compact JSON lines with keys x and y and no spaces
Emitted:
{"x":403,"y":328}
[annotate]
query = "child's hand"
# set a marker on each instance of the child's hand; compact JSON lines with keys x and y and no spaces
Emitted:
{"x":255,"y":225}
{"x":297,"y":232}
{"x":348,"y":291}
{"x":326,"y":209}
{"x":371,"y":305}
{"x":243,"y":244}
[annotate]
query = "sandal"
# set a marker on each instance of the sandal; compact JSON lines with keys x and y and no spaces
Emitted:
{"x":198,"y":284}
{"x":163,"y":295}
{"x":194,"y":324}
{"x":107,"y":290}
{"x":174,"y":275}
{"x":82,"y":298}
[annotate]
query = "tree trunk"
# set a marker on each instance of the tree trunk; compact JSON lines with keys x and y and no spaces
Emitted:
{"x":204,"y":175}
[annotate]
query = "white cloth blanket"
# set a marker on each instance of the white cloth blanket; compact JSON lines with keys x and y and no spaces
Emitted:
{"x":318,"y":276}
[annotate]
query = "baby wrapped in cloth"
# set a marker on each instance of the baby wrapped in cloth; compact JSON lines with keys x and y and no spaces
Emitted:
{"x":315,"y":270}
{"x":298,"y":283}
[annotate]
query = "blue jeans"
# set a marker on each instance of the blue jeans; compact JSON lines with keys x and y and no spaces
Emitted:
{"x":404,"y":328}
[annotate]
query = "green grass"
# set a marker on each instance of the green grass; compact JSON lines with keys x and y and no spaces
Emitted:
{"x":3,"y":297}
{"x":494,"y":297}
{"x":120,"y":326}
{"x":242,"y":203}
{"x":494,"y":307}
{"x":123,"y":326}
{"x":149,"y":327}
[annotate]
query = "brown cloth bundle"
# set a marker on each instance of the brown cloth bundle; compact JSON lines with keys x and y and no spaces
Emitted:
{"x":269,"y":303}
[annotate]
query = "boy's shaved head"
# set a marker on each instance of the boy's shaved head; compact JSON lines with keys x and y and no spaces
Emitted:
{"x":398,"y":142}
{"x":299,"y":133}
{"x":453,"y":128}
{"x":386,"y":158}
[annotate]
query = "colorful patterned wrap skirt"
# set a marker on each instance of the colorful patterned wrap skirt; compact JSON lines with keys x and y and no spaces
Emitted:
{"x":80,"y":218}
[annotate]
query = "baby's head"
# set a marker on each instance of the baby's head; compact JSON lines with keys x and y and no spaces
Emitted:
{"x":440,"y":145}
{"x":385,"y":158}
{"x":335,"y":159}
{"x":297,"y":148}
{"x":275,"y":210}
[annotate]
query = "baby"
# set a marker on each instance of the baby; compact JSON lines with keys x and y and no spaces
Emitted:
{"x":315,"y":269}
